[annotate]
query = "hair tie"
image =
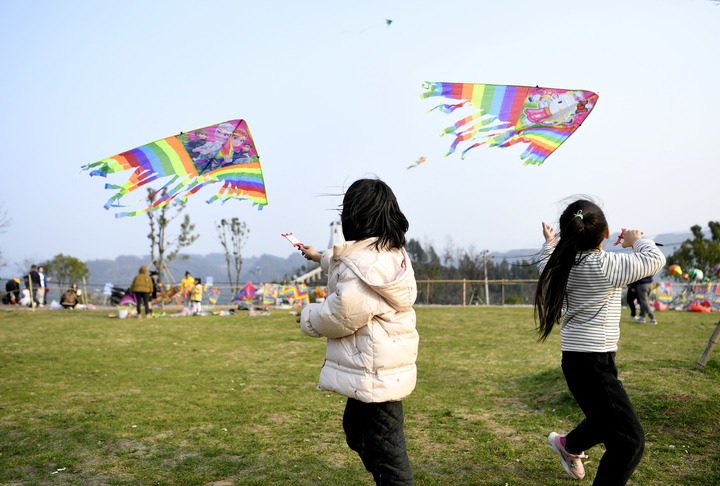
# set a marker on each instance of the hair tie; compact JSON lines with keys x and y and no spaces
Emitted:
{"x":579,"y":214}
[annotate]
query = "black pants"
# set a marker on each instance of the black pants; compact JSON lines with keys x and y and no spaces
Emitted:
{"x":376,"y":432}
{"x":631,"y":296}
{"x":143,"y":299}
{"x":610,"y":418}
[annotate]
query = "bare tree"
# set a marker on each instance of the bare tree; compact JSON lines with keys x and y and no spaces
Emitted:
{"x":232,"y":235}
{"x":4,"y":223}
{"x":163,"y":248}
{"x":4,"y":220}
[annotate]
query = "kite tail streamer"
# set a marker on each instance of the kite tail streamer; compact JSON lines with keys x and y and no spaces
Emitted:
{"x":445,"y":108}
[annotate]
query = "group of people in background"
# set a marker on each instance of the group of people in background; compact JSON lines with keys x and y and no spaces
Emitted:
{"x":147,"y":289}
{"x":192,"y":293}
{"x":36,"y":289}
{"x":34,"y":293}
{"x":36,"y":284}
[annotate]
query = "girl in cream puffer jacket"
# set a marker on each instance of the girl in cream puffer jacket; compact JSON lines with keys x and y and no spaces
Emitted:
{"x":369,"y":322}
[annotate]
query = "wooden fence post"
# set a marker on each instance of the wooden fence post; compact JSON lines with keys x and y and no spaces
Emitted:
{"x":708,"y":349}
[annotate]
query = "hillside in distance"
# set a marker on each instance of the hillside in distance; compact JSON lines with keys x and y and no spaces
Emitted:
{"x":271,"y":268}
{"x":265,"y":268}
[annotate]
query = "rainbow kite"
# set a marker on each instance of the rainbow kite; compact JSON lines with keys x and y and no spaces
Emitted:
{"x":186,"y":163}
{"x":501,"y":116}
{"x":213,"y":294}
{"x":299,"y":293}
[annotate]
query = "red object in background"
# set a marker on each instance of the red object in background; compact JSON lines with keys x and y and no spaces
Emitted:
{"x":700,"y":306}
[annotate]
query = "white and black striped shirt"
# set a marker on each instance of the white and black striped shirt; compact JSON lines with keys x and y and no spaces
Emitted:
{"x":591,"y":322}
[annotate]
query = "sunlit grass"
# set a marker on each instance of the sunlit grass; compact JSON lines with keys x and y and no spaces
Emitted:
{"x":90,"y":400}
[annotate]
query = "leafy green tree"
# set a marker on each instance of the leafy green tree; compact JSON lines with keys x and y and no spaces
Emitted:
{"x":416,"y":252}
{"x":472,"y":265}
{"x":699,"y":252}
{"x":165,"y":248}
{"x":427,"y":267}
{"x":232,"y":235}
{"x":66,"y":270}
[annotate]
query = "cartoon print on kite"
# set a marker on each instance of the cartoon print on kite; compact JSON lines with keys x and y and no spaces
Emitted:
{"x":207,"y":151}
{"x":504,"y":115}
{"x":224,"y":153}
{"x":242,"y":147}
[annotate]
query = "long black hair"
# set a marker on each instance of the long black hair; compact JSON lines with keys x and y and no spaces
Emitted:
{"x":582,"y":228}
{"x":370,"y":209}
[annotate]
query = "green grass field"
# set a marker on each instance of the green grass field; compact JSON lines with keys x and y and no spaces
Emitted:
{"x":90,"y":400}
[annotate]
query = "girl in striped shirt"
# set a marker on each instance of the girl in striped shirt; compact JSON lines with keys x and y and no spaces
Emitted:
{"x":580,"y":288}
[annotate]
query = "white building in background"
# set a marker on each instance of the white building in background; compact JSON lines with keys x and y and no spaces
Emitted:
{"x":336,"y":236}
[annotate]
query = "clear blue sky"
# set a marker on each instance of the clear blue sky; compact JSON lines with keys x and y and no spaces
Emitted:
{"x":332,"y":94}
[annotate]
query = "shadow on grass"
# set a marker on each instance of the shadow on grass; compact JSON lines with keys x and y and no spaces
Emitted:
{"x":546,"y":390}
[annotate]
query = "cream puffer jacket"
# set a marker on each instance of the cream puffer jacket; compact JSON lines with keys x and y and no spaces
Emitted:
{"x":369,"y":321}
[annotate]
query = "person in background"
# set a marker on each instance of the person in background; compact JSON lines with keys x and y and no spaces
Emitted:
{"x":630,"y":298}
{"x":644,"y":290}
{"x":186,"y":285}
{"x":154,"y":276}
{"x":196,"y":295}
{"x":12,"y":291}
{"x":142,"y":287}
{"x":32,"y":281}
{"x":580,"y":288}
{"x":156,"y":287}
{"x":71,"y":297}
{"x":369,"y":322}
{"x":43,"y":289}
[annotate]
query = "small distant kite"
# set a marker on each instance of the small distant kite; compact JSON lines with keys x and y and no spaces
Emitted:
{"x":186,"y":163}
{"x":419,"y":161}
{"x":388,"y":22}
{"x":504,"y":115}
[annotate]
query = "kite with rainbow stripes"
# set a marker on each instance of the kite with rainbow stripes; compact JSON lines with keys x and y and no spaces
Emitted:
{"x":504,"y":115}
{"x":224,"y":153}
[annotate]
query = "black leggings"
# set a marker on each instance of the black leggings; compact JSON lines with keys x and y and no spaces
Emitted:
{"x":375,"y":431}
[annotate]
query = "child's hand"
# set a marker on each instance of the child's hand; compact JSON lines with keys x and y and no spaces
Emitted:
{"x":310,"y":253}
{"x":630,"y":237}
{"x":548,"y":233}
